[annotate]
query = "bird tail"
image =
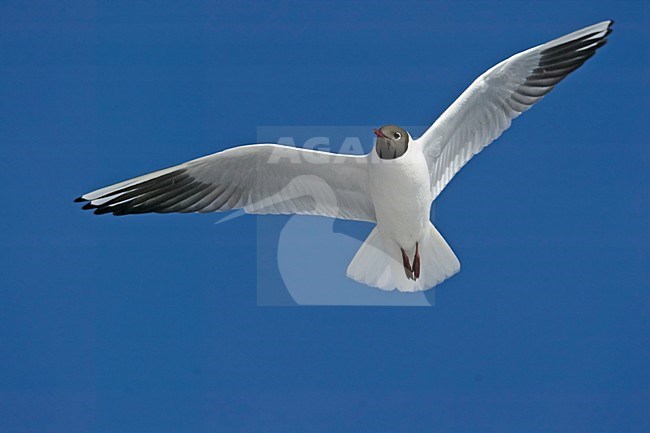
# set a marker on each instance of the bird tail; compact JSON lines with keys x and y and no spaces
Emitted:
{"x":379,"y":263}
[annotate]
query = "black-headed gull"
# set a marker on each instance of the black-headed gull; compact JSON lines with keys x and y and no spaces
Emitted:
{"x":392,"y":186}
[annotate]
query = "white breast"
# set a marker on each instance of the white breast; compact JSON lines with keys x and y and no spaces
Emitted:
{"x":400,"y":193}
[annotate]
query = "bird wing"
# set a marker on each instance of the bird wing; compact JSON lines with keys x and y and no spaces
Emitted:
{"x":259,"y":178}
{"x":489,"y":104}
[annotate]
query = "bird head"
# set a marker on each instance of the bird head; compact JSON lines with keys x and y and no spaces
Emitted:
{"x":392,"y":141}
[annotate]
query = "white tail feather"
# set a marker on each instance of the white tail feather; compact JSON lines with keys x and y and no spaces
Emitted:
{"x":378,"y":263}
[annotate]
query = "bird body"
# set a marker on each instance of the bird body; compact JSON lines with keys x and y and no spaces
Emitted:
{"x":400,"y":192}
{"x":392,"y":186}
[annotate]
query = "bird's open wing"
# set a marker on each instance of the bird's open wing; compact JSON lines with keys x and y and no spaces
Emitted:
{"x":260,"y":178}
{"x":488,"y":106}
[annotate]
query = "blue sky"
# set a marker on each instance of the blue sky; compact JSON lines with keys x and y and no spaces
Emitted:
{"x":150,"y":324}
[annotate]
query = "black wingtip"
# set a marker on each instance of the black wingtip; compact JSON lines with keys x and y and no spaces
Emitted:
{"x":101,"y":210}
{"x":80,"y":200}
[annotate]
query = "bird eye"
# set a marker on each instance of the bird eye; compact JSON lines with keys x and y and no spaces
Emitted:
{"x":397,"y":136}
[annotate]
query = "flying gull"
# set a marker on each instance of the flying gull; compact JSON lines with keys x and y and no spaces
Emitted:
{"x":393,"y":185}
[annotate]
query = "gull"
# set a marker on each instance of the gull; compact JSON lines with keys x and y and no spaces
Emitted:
{"x":393,"y":186}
